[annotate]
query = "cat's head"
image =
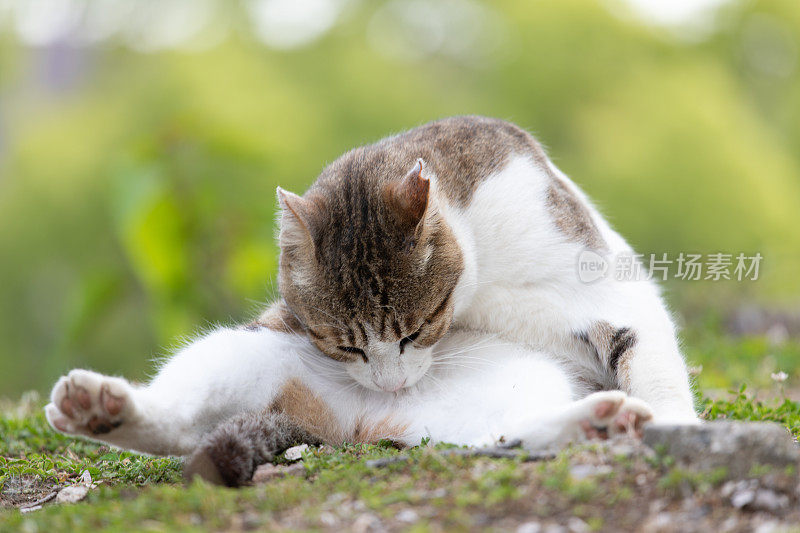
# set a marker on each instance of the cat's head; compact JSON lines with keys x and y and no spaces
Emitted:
{"x":369,"y":266}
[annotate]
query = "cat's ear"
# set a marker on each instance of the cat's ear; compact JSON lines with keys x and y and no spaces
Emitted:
{"x":408,"y":198}
{"x":297,"y":219}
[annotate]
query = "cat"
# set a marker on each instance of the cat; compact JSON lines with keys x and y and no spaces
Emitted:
{"x":460,"y":227}
{"x":236,"y":398}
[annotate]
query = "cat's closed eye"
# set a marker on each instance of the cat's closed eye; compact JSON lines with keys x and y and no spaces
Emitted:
{"x":353,"y":349}
{"x":405,"y":340}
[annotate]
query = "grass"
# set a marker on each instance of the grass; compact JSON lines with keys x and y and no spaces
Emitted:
{"x":743,"y":406}
{"x":338,"y":487}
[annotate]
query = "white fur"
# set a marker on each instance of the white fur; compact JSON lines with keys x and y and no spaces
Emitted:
{"x":526,"y":288}
{"x":477,"y":392}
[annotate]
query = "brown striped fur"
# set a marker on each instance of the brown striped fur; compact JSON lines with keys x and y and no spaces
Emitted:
{"x":612,"y":345}
{"x":350,"y":261}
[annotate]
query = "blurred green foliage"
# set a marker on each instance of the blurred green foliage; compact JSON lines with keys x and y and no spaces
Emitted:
{"x":137,"y":198}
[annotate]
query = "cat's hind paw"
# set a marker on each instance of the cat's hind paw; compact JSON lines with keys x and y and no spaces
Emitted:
{"x":88,"y":403}
{"x":611,"y":413}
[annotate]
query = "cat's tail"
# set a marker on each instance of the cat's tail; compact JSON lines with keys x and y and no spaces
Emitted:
{"x":231,"y":453}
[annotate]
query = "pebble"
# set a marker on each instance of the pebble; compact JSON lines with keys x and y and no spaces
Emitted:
{"x":72,"y":494}
{"x":328,"y":519}
{"x":530,"y":527}
{"x":408,"y":516}
{"x":576,"y":525}
{"x":583,"y":471}
{"x":768,"y":500}
{"x":367,"y":523}
{"x":742,"y":498}
{"x":295,"y":453}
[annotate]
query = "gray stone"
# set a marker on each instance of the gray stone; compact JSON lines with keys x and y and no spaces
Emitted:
{"x":580,"y":472}
{"x":530,"y":527}
{"x":329,"y":519}
{"x":768,"y":500}
{"x":576,"y":525}
{"x":737,"y":446}
{"x":367,"y":523}
{"x":407,"y":515}
{"x":72,"y":494}
{"x":295,"y":453}
{"x":583,"y":471}
{"x":742,"y":498}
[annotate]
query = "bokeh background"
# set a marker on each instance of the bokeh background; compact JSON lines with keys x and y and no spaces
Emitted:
{"x":141,"y":142}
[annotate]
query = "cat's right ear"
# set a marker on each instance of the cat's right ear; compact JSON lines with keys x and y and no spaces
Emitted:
{"x":297,"y":220}
{"x":408,"y":197}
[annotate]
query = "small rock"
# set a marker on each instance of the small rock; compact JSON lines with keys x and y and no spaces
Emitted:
{"x":576,"y":525}
{"x":408,"y":516}
{"x":726,"y":491}
{"x":328,"y":519}
{"x":530,"y":527}
{"x":660,"y":522}
{"x":72,"y":494}
{"x":768,"y":527}
{"x":737,"y":446}
{"x":622,"y":449}
{"x":743,"y":497}
{"x":268,"y":471}
{"x":767,"y":500}
{"x":30,"y":509}
{"x":295,"y":453}
{"x":580,"y":472}
{"x":367,"y":523}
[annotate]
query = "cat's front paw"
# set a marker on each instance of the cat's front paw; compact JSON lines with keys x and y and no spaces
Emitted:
{"x":611,"y":413}
{"x":88,"y":403}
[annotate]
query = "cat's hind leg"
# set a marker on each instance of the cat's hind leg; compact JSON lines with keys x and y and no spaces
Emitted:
{"x":220,"y":375}
{"x":112,"y":410}
{"x":600,"y":415}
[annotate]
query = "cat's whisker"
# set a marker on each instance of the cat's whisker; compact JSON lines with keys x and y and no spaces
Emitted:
{"x":435,"y":381}
{"x":463,"y":352}
{"x":467,"y":359}
{"x":325,"y":325}
{"x":457,"y":365}
{"x":349,"y":388}
{"x":341,"y":324}
{"x":457,"y":353}
{"x":321,"y":364}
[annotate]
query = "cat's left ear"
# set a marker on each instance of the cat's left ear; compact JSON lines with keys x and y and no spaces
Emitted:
{"x":408,"y":198}
{"x":298,"y":220}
